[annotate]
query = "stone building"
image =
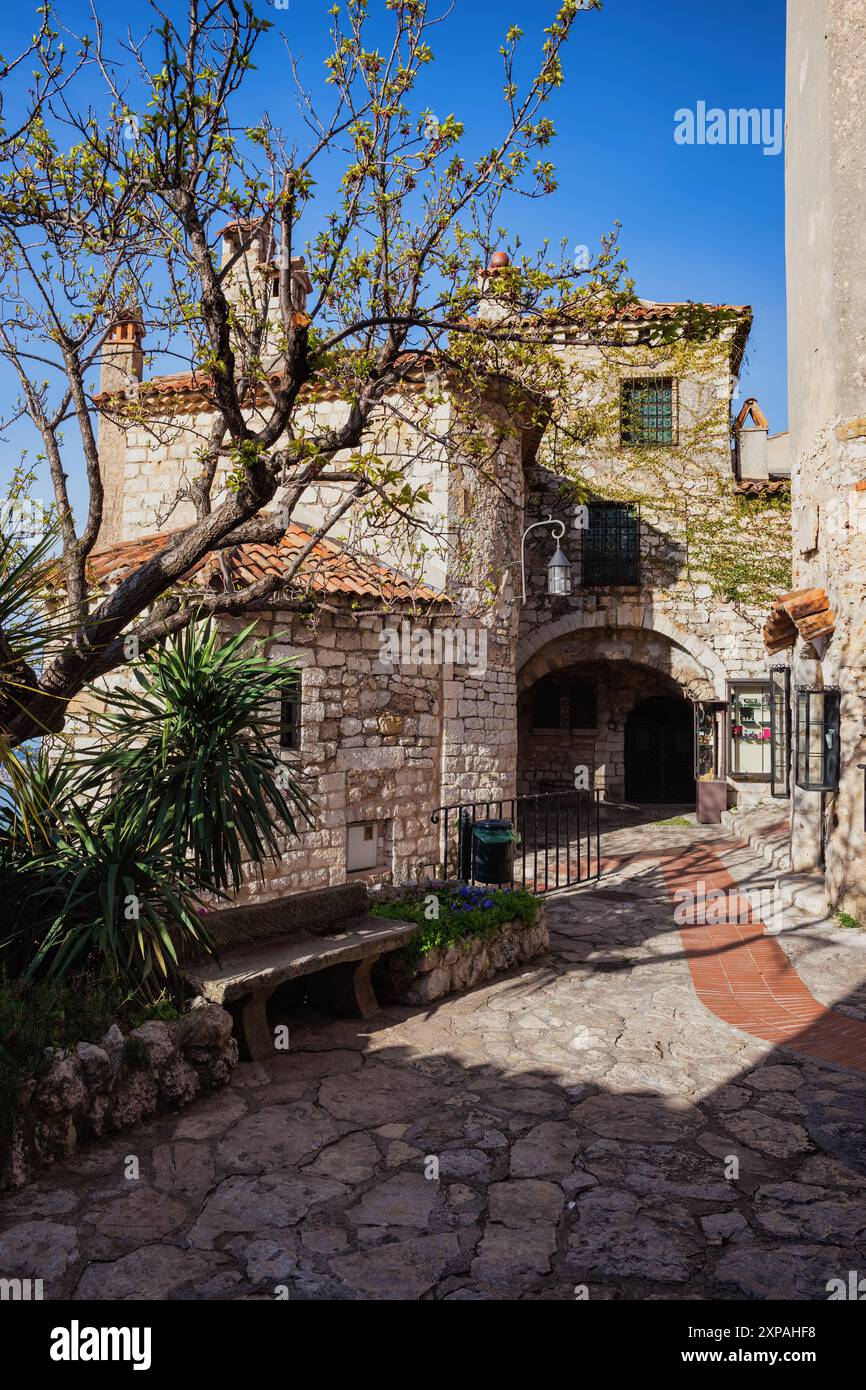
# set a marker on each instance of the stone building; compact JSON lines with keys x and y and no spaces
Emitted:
{"x":417,"y":695}
{"x":664,"y":611}
{"x":818,"y":637}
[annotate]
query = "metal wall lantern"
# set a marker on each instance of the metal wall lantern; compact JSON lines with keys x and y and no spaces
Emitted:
{"x":559,"y":566}
{"x":559,"y":573}
{"x":816,"y":762}
{"x":780,"y":731}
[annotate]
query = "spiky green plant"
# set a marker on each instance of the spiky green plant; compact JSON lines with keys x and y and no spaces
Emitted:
{"x":196,"y":736}
{"x":110,"y":891}
{"x":28,"y":629}
{"x":186,"y":787}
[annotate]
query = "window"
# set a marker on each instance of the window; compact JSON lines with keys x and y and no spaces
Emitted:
{"x":290,"y":715}
{"x":817,"y":761}
{"x":750,"y":730}
{"x":780,"y":724}
{"x":611,"y":544}
{"x":545,"y":705}
{"x":582,"y":704}
{"x":648,"y":412}
{"x":564,"y":701}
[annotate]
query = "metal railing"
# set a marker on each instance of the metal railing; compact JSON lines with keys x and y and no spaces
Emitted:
{"x":558,"y":838}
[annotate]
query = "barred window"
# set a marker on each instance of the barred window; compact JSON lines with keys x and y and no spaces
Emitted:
{"x":611,"y":544}
{"x":648,"y":412}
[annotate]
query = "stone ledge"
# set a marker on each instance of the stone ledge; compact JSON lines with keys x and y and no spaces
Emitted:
{"x":766,"y":830}
{"x":441,"y":972}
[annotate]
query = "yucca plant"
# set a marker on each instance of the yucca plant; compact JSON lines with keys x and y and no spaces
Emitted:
{"x":196,"y":738}
{"x":31,"y":811}
{"x":186,"y":786}
{"x":28,"y":631}
{"x":111,"y":894}
{"x":92,"y":884}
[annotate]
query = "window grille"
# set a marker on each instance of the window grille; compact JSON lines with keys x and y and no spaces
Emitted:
{"x":611,"y":544}
{"x":648,"y":412}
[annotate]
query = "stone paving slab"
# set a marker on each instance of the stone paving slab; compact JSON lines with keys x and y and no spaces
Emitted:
{"x":583,"y":1123}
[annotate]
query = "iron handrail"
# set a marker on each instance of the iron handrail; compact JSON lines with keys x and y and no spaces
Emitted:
{"x":570,"y":811}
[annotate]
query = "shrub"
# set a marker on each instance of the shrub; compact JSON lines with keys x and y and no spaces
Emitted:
{"x":452,"y":916}
{"x":197,"y":737}
{"x":104,"y":858}
{"x":846,"y":920}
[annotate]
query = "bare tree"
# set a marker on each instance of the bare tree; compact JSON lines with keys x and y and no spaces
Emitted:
{"x":113,"y":206}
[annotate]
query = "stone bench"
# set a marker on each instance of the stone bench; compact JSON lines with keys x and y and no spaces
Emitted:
{"x":328,"y":935}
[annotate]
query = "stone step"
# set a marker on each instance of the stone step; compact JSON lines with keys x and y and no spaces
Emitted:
{"x":806,"y":891}
{"x":766,"y":831}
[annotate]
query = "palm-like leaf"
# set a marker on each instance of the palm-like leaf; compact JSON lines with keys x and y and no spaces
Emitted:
{"x":197,"y":738}
{"x":108,"y":890}
{"x":29,"y":631}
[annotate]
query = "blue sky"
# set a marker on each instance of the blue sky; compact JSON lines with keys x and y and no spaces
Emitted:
{"x":698,"y":222}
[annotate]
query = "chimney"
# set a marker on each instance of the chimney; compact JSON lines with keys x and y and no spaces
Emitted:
{"x":259,"y":259}
{"x":302,"y":285}
{"x":121,"y":370}
{"x":751,"y":443}
{"x":122,"y":357}
{"x":490,"y":308}
{"x":251,"y":235}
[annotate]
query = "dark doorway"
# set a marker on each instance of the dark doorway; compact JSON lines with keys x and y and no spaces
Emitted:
{"x":659,"y":751}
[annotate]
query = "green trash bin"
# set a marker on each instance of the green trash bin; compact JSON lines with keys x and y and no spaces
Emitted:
{"x":493,"y":851}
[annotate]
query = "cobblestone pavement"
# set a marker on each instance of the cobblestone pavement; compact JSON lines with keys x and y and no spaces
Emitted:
{"x":595,"y":1126}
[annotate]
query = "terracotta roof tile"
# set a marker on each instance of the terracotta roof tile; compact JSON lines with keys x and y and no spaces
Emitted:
{"x":761,"y":487}
{"x":327,"y":570}
{"x":806,"y":611}
{"x":644,"y":311}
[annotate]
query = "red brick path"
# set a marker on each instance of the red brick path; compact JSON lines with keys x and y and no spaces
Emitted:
{"x":744,"y":977}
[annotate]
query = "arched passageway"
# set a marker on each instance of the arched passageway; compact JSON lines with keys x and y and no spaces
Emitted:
{"x":576,"y":698}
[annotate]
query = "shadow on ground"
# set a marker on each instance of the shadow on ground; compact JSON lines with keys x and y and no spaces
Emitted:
{"x":580,"y":1126}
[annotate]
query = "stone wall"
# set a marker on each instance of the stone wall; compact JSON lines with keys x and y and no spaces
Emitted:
{"x":725,"y":638}
{"x":441,"y":972}
{"x":371,"y":736}
{"x":826,"y":246}
{"x":92,"y":1090}
{"x":479,"y":752}
{"x":149,"y":462}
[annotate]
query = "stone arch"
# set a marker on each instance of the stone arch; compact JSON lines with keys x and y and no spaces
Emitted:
{"x":629,"y":646}
{"x":611,"y":628}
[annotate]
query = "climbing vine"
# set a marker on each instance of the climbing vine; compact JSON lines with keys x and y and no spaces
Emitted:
{"x":698,"y":530}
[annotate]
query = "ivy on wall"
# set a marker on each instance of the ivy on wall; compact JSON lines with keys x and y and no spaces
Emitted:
{"x":698,"y":531}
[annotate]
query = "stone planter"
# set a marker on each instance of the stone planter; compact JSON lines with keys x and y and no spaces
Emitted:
{"x":442,"y":972}
{"x":88,"y":1091}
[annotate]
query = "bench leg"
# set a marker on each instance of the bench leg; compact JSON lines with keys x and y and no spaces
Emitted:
{"x":254,"y":1035}
{"x":346,"y":989}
